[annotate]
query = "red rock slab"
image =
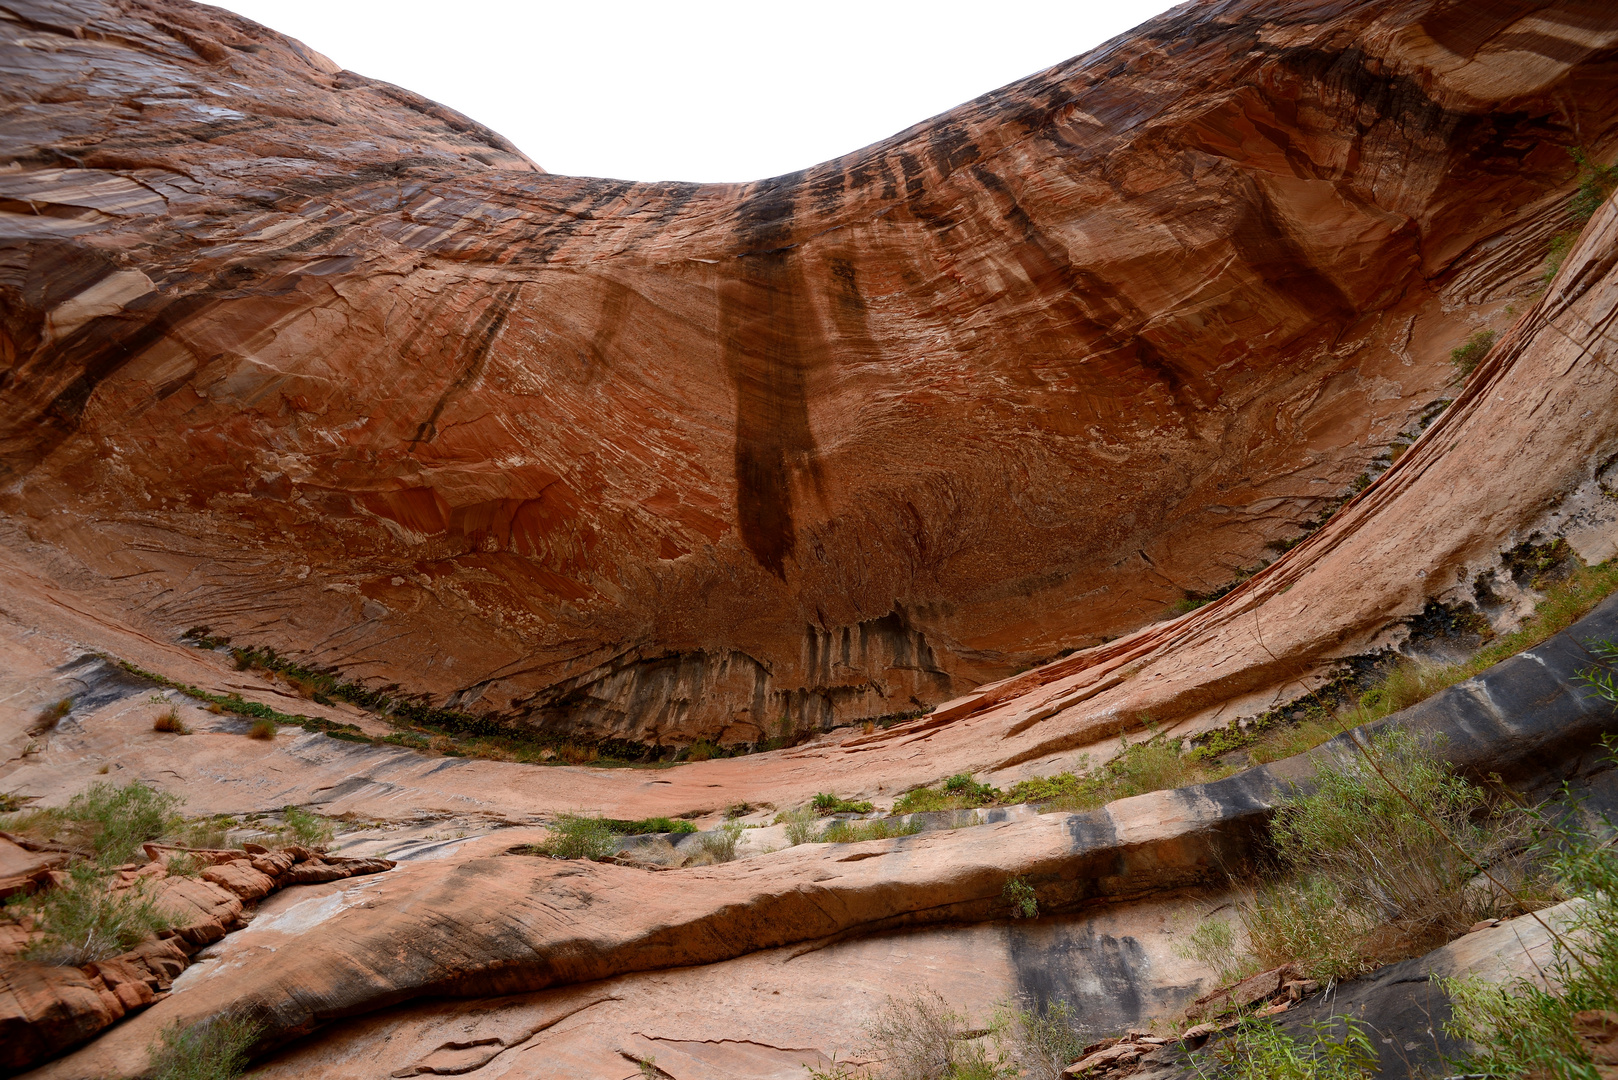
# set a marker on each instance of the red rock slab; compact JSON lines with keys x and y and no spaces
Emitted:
{"x":503,"y":924}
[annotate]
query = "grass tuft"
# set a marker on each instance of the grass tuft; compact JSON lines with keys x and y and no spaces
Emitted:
{"x":171,"y":723}
{"x":211,"y":1050}
{"x":263,"y":729}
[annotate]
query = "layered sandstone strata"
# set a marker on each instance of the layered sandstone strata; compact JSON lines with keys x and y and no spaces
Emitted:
{"x":328,"y":367}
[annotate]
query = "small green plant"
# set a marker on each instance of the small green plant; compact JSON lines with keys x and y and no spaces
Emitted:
{"x":1213,"y":943}
{"x":1045,"y":1041}
{"x":183,"y":865}
{"x":1259,"y":1050}
{"x":1467,"y":357}
{"x":720,"y":845}
{"x":85,"y":919}
{"x":1019,"y":895}
{"x":306,"y":829}
{"x":800,"y":825}
{"x":213,"y":1049}
{"x":1596,"y":183}
{"x":578,"y":836}
{"x":920,"y":1037}
{"x":1554,"y":1026}
{"x":827,"y":803}
{"x":262,"y":728}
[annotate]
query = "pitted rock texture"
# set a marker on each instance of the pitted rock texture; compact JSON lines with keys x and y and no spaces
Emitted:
{"x":313,"y":361}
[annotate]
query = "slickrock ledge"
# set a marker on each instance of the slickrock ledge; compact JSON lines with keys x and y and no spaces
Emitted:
{"x":491,"y":925}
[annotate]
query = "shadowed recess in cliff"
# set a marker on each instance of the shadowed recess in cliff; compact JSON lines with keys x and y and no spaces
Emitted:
{"x":775,"y":318}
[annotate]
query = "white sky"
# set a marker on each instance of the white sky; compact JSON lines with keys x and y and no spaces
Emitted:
{"x":705,"y":90}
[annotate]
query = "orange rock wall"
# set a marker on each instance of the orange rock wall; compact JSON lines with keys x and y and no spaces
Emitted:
{"x":325,"y":366}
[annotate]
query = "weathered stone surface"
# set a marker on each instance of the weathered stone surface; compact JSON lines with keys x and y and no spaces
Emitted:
{"x":44,"y":1009}
{"x":825,"y":446}
{"x":241,"y":878}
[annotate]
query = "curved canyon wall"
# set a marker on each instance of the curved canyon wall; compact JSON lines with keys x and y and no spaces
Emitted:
{"x":325,"y":366}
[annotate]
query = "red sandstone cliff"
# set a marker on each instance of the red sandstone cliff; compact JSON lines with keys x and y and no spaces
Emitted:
{"x":326,"y":366}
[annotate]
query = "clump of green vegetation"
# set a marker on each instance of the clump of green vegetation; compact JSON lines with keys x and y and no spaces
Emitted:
{"x":800,"y":825}
{"x":263,"y":729}
{"x":1259,"y":1050}
{"x":1552,"y":1028}
{"x":1213,"y":943}
{"x":921,"y":1038}
{"x":648,"y":825}
{"x":1020,"y":897}
{"x":959,"y":792}
{"x":577,"y":836}
{"x":1377,"y":862}
{"x":827,"y":803}
{"x":1467,"y":357}
{"x":85,"y":919}
{"x":720,"y":845}
{"x":852,"y":832}
{"x":1044,"y":1042}
{"x":107,"y":822}
{"x":208,"y":832}
{"x":1137,"y":768}
{"x":306,"y":829}
{"x":214,"y":1049}
{"x":703,"y":750}
{"x":1596,"y":183}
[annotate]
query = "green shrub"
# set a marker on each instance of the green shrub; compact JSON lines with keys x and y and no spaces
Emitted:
{"x":1378,"y":858}
{"x":121,"y":819}
{"x":309,"y":830}
{"x":1596,"y":183}
{"x":1548,"y":1030}
{"x":1045,"y":1042}
{"x":800,"y":825}
{"x":920,"y":1038}
{"x":1019,"y":895}
{"x":720,"y":845}
{"x":827,"y":803}
{"x":578,"y":836}
{"x":703,"y":750}
{"x":1259,"y":1050}
{"x":211,"y":1050}
{"x":1213,"y":943}
{"x":1467,"y":357}
{"x":85,"y":920}
{"x":263,"y":729}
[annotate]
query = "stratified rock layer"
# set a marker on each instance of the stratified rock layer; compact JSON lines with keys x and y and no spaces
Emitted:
{"x":326,"y":366}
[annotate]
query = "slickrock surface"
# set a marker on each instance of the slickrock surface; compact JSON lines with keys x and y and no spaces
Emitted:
{"x":477,"y":922}
{"x":323,"y":365}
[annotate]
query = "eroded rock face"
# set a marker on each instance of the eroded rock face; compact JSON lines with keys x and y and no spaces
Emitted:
{"x":308,"y":359}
